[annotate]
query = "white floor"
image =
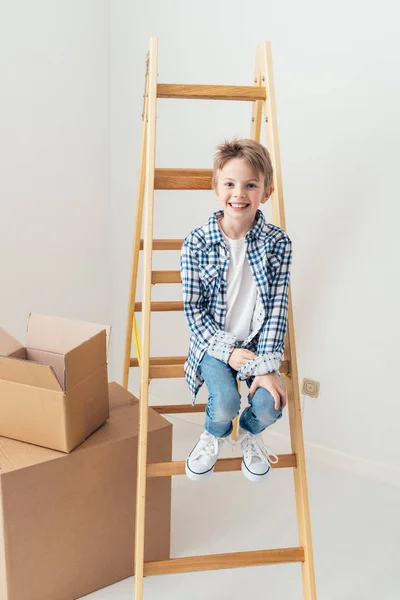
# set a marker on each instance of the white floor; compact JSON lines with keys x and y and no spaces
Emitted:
{"x":355,"y":523}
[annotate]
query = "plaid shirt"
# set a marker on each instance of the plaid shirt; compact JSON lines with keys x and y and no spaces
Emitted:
{"x":204,"y":265}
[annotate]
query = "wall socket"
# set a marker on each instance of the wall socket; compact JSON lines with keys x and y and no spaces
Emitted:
{"x":310,"y":388}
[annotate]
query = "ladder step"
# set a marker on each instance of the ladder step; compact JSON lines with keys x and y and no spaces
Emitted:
{"x":165,"y":277}
{"x":166,"y":372}
{"x":173,"y":409}
{"x":231,"y":560}
{"x":161,"y":360}
{"x":183,"y":179}
{"x":161,"y":306}
{"x":164,"y":244}
{"x":166,"y":469}
{"x":164,"y":367}
{"x":211,"y":92}
{"x":168,"y":367}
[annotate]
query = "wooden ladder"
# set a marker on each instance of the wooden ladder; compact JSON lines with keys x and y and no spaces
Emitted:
{"x":262,"y":97}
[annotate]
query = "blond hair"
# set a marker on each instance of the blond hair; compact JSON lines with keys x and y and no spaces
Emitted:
{"x":254,"y":153}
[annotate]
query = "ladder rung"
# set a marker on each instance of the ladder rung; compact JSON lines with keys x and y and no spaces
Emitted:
{"x":169,"y":367}
{"x":231,"y":560}
{"x":164,"y":244}
{"x":172,"y":409}
{"x":166,"y":277}
{"x":166,"y":372}
{"x":161,"y":306}
{"x":183,"y":179}
{"x":161,"y":360}
{"x":166,"y":469}
{"x":211,"y":92}
{"x":164,"y":367}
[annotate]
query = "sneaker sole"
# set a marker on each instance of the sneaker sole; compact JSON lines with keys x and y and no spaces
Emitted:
{"x":198,"y":476}
{"x":254,"y":476}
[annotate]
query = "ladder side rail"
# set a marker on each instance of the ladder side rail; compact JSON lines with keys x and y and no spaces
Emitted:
{"x":256,"y":113}
{"x":145,"y":337}
{"x":294,"y":406}
{"x":137,"y":234}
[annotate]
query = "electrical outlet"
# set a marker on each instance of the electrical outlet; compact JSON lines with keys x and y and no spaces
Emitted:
{"x":310,"y":388}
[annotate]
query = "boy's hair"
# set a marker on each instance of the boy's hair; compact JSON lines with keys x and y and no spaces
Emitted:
{"x":254,"y":153}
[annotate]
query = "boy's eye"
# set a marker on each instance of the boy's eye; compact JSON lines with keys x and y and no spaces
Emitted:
{"x":230,"y":184}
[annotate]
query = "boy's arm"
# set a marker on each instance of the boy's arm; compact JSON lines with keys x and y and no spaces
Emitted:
{"x":220,"y":343}
{"x":271,"y":341}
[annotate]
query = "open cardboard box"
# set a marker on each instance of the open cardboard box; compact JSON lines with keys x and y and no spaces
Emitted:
{"x":67,"y":521}
{"x":54,"y":390}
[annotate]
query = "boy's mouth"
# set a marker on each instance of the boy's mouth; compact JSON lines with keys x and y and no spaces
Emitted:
{"x":238,"y":205}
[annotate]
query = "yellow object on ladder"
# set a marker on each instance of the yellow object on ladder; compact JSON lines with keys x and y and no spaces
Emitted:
{"x":262,"y":97}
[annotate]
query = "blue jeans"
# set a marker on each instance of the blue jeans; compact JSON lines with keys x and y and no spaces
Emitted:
{"x":224,"y":401}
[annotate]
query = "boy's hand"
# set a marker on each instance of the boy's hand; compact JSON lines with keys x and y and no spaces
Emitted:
{"x":272,"y":383}
{"x":239,"y":357}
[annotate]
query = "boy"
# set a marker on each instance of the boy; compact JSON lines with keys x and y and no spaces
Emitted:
{"x":235,"y":276}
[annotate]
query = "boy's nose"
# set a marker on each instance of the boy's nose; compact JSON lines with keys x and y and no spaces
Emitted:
{"x":239,"y":193}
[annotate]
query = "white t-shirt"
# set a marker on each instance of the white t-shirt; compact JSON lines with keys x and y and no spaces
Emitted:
{"x":241,"y":290}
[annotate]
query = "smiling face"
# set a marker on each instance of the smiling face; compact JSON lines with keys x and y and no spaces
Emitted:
{"x":240,"y":191}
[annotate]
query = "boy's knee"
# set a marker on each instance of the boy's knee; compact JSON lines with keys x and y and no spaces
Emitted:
{"x":225,"y":405}
{"x":263,"y":405}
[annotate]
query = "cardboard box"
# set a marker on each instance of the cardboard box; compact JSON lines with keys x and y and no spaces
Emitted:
{"x":54,"y":390}
{"x":67,"y":520}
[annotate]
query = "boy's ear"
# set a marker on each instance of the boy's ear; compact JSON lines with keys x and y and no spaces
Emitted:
{"x":268,"y":193}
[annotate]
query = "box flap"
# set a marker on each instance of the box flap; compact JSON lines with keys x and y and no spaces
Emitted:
{"x":55,"y":334}
{"x":28,"y":373}
{"x":85,"y":359}
{"x":8,"y":344}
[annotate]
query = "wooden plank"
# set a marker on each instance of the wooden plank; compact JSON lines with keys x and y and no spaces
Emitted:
{"x":166,"y":277}
{"x":172,"y":367}
{"x":166,"y":372}
{"x":166,"y":469}
{"x":165,"y":244}
{"x":144,"y":371}
{"x":161,"y":360}
{"x":264,"y":62}
{"x":183,"y":179}
{"x":161,"y":306}
{"x":210,"y":92}
{"x":174,"y":409}
{"x":137,"y":243}
{"x":231,"y":560}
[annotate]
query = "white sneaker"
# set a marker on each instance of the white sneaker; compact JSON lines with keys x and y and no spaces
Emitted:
{"x":257,"y":459}
{"x":201,"y":461}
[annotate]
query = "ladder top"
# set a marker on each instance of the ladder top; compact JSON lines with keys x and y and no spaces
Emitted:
{"x":248,"y":93}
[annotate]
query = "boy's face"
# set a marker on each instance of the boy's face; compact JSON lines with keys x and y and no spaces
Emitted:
{"x":240,"y":191}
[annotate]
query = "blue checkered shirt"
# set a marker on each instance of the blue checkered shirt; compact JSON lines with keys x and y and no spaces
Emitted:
{"x":204,"y":264}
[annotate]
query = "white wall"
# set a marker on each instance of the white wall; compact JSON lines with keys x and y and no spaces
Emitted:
{"x":61,"y":164}
{"x":54,"y":161}
{"x":336,"y":70}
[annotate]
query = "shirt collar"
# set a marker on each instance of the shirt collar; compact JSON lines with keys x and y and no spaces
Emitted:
{"x":213,"y":233}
